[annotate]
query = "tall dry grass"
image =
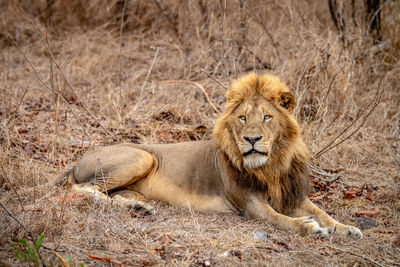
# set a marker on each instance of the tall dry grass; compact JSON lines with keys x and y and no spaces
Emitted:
{"x":123,"y":75}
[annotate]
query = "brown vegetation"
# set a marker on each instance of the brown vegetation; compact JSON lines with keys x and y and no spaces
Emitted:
{"x":75,"y":74}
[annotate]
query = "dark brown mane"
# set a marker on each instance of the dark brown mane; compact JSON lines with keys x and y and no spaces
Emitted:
{"x":284,"y":178}
{"x":293,"y":184}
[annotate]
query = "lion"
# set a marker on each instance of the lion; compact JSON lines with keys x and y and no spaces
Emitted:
{"x":255,"y":164}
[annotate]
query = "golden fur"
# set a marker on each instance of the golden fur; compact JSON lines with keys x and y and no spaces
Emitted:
{"x":285,"y":175}
{"x":255,"y":165}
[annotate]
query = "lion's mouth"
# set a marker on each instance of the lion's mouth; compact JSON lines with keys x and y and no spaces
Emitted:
{"x":254,"y":151}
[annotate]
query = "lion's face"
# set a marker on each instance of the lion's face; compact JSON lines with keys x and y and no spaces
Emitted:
{"x":255,"y":126}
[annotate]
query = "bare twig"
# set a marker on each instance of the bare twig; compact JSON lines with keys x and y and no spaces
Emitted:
{"x":120,"y":56}
{"x":353,"y":14}
{"x":52,"y":151}
{"x":198,"y":86}
{"x":375,"y":16}
{"x":14,"y":114}
{"x":352,"y":133}
{"x":374,"y":102}
{"x":23,"y":226}
{"x":12,"y":186}
{"x":223,"y":52}
{"x":145,"y":80}
{"x":51,"y":63}
{"x":215,"y":79}
{"x":356,"y":254}
{"x":170,"y":18}
{"x":76,"y":95}
{"x":268,"y":33}
{"x":263,"y":65}
{"x":320,"y":174}
{"x":20,"y":223}
{"x":338,"y":19}
{"x":64,"y":262}
{"x":148,"y":73}
{"x":45,"y":85}
{"x":62,"y":74}
{"x":396,"y":153}
{"x":330,"y":85}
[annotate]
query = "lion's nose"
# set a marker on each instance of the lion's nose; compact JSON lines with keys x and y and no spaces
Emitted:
{"x":252,"y":139}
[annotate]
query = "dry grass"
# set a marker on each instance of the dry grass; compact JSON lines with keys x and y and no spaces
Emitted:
{"x":42,"y":134}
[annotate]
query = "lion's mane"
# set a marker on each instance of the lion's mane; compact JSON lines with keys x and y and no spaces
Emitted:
{"x":284,"y":178}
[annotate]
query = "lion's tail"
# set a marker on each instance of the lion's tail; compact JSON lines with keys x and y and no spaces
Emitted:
{"x":65,"y":178}
{"x":61,"y":181}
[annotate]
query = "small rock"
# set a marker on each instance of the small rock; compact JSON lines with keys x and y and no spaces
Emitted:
{"x":366,"y":223}
{"x":236,"y":253}
{"x":207,"y":263}
{"x":225,"y":254}
{"x":261,"y":235}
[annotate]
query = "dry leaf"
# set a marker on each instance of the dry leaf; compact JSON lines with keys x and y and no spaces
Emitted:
{"x":284,"y":245}
{"x":350,"y":194}
{"x":370,"y":214}
{"x":109,"y":259}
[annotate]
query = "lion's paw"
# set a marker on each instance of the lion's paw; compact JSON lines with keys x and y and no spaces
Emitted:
{"x":308,"y":225}
{"x":141,"y":206}
{"x":353,"y":232}
{"x":349,"y":231}
{"x":136,"y":205}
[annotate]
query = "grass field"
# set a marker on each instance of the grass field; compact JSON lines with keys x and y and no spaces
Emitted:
{"x":76,"y":74}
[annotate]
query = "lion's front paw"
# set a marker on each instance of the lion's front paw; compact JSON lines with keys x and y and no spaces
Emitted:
{"x":353,"y":232}
{"x":308,"y":225}
{"x":349,"y":231}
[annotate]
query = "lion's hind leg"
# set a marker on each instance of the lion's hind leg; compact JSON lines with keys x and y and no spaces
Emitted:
{"x":107,"y":169}
{"x":132,"y":200}
{"x":307,"y":208}
{"x":113,"y":167}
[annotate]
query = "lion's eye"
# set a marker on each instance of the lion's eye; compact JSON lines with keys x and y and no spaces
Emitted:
{"x":243,"y":119}
{"x":267,"y":117}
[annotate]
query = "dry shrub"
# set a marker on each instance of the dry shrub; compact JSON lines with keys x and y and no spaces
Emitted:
{"x":112,"y":76}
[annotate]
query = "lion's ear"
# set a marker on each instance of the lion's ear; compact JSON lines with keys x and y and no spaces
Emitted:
{"x":287,"y":100}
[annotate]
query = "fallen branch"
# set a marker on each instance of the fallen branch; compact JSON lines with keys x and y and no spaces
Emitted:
{"x":12,"y":186}
{"x":374,"y":102}
{"x":356,"y":254}
{"x":215,"y":79}
{"x":26,"y":229}
{"x":322,"y":175}
{"x":62,"y":74}
{"x":198,"y":86}
{"x":45,"y":85}
{"x":73,"y":90}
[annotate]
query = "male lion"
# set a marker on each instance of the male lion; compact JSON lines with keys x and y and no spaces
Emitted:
{"x":256,"y":164}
